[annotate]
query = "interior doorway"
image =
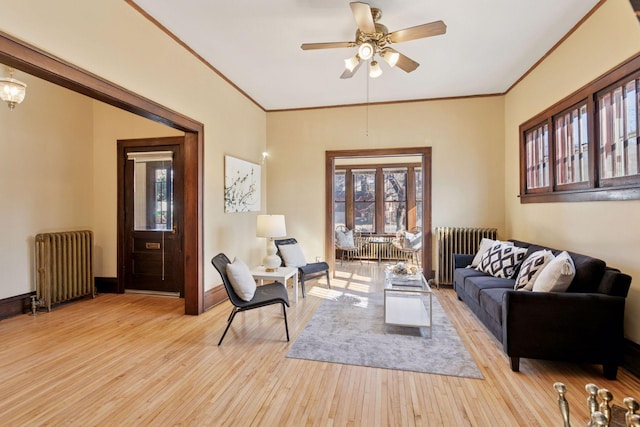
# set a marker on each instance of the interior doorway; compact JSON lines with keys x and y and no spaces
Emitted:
{"x":411,"y":212}
{"x":26,"y":58}
{"x":151,"y":193}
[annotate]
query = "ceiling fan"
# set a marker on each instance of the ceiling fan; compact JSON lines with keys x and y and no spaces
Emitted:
{"x":374,"y":38}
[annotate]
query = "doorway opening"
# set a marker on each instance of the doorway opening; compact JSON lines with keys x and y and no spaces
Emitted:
{"x":378,"y":193}
{"x":26,"y":58}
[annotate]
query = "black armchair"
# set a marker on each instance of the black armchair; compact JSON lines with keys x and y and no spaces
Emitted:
{"x":273,"y":293}
{"x":309,"y":271}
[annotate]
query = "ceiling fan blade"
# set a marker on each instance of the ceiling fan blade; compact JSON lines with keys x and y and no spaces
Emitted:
{"x":404,"y":62}
{"x":312,"y":46}
{"x":364,"y":19}
{"x":421,"y":31}
{"x":348,"y":74}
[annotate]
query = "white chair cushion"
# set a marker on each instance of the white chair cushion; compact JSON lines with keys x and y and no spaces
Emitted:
{"x":241,"y":279}
{"x":292,"y":255}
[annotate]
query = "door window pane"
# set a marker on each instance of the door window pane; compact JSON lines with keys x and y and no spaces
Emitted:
{"x":153,"y":190}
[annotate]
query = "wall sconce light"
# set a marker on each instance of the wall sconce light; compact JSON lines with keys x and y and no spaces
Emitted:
{"x":12,"y":91}
{"x":264,"y":157}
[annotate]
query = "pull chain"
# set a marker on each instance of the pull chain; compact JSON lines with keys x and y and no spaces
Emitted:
{"x":367,"y":112}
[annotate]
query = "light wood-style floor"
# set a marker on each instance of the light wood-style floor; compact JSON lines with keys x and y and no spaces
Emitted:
{"x":132,"y":360}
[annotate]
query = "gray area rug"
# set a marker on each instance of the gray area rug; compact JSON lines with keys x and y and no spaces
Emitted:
{"x":350,"y":329}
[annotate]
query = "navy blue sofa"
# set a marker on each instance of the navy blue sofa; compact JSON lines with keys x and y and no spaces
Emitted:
{"x":585,"y":324}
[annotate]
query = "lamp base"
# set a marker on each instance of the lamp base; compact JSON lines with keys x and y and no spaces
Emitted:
{"x":272,"y":261}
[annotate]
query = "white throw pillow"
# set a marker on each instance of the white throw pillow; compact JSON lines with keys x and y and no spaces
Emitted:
{"x":485,"y":245}
{"x":557,"y":275}
{"x":241,"y":279}
{"x":412,"y":241}
{"x":501,"y":260}
{"x":345,"y":239}
{"x":531,"y":269}
{"x":292,"y":255}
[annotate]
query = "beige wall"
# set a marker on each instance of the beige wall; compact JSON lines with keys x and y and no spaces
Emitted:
{"x":111,"y":39}
{"x":466,"y":136}
{"x":109,"y":125}
{"x":609,"y":230}
{"x":45,"y":175}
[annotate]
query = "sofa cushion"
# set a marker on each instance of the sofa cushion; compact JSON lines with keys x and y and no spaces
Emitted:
{"x":475,"y":284}
{"x":589,"y":272}
{"x":557,"y":275}
{"x":531,"y":268}
{"x":485,"y":245}
{"x":501,"y":260}
{"x":491,"y":302}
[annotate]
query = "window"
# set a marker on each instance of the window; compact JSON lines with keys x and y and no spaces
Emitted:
{"x":339,"y":198}
{"x":537,"y":146}
{"x":618,"y":123}
{"x":378,"y":199}
{"x":572,"y":146}
{"x":586,"y":147}
{"x":395,"y":199}
{"x":418,"y":196}
{"x":364,"y":200}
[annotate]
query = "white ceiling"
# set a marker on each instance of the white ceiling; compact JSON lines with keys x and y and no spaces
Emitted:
{"x":489,"y":44}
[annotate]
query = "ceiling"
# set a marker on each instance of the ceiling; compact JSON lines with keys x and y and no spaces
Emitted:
{"x":255,"y":44}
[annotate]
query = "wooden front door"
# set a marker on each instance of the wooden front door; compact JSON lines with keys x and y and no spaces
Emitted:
{"x":152,"y":191}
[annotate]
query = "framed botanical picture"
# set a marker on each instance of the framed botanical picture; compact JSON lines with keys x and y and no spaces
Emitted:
{"x":241,"y":185}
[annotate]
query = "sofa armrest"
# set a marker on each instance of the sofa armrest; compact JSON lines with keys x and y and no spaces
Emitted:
{"x":578,"y":327}
{"x":462,"y":260}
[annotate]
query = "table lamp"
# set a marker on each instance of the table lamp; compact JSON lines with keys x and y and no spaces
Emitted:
{"x":271,"y":226}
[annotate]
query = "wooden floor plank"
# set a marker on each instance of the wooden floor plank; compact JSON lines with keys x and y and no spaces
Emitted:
{"x":137,"y":360}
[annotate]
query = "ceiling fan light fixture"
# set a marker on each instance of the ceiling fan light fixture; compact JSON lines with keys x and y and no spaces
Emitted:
{"x":366,"y":51}
{"x":375,"y":71}
{"x":351,"y":63}
{"x":390,"y":57}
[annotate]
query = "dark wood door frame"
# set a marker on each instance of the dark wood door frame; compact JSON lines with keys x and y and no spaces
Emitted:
{"x":22,"y":56}
{"x":423,"y":152}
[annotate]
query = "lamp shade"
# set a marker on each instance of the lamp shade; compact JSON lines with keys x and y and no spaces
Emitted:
{"x":271,"y":226}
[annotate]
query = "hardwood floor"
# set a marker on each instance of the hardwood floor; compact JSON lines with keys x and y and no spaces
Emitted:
{"x":137,"y":360}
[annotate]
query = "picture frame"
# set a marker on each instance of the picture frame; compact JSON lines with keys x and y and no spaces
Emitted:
{"x":242,"y":187}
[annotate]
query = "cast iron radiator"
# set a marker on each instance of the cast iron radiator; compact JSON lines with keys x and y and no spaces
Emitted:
{"x":64,"y":266}
{"x":456,"y":240}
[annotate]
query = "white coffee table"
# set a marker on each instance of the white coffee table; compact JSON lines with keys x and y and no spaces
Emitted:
{"x":408,"y":301}
{"x":282,"y":274}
